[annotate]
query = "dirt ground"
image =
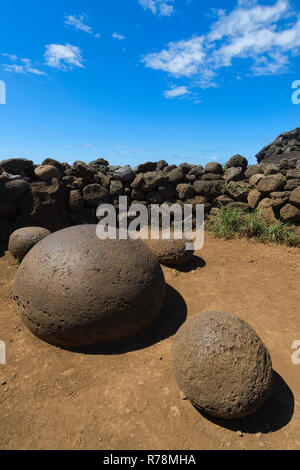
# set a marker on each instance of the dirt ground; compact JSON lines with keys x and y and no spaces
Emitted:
{"x":126,"y":397}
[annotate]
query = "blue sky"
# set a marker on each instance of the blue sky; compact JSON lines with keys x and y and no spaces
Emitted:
{"x":138,"y":80}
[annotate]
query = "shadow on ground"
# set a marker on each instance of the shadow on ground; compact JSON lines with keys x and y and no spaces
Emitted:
{"x":195,"y":263}
{"x":3,"y":248}
{"x":272,"y":416}
{"x":172,"y":316}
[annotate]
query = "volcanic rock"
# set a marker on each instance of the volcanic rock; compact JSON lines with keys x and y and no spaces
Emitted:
{"x":22,"y":240}
{"x":75,"y":290}
{"x":221,"y":365}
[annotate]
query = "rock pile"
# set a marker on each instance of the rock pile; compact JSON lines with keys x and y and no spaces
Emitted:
{"x":285,"y":145}
{"x":57,"y":195}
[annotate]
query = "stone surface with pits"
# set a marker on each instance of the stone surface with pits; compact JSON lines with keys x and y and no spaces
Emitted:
{"x":22,"y":240}
{"x":221,"y":365}
{"x":76,"y":290}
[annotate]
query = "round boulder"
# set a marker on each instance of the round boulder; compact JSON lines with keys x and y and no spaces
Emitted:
{"x":214,"y":167}
{"x":75,"y":290}
{"x":171,"y":252}
{"x":221,"y":365}
{"x":22,"y":240}
{"x":47,"y":172}
{"x":237,"y":161}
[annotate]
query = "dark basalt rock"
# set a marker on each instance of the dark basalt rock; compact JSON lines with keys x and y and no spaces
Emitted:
{"x":95,"y":194}
{"x":237,"y":161}
{"x":60,"y":166}
{"x":18,"y":166}
{"x":285,"y":146}
{"x":10,"y":191}
{"x":45,"y":205}
{"x":76,"y":200}
{"x":87,"y":215}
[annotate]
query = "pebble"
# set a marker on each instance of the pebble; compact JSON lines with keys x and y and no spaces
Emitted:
{"x":182,"y":395}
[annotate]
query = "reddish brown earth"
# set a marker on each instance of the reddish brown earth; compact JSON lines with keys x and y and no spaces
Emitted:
{"x":126,"y":397}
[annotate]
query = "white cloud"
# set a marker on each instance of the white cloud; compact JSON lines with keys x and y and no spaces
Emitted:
{"x":246,"y":19}
{"x":264,"y":37}
{"x":12,"y":57}
{"x":181,"y":58}
{"x":160,"y":7}
{"x":118,"y":36}
{"x":63,"y":57}
{"x":79,"y":22}
{"x":175,"y":92}
{"x":23,"y":67}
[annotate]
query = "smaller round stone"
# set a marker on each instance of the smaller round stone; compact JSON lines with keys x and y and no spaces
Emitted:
{"x":214,"y":167}
{"x":221,"y":365}
{"x":171,"y":252}
{"x":46,"y":172}
{"x":237,"y":161}
{"x":22,"y":240}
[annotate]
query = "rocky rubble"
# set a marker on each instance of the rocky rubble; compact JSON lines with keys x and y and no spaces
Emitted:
{"x":285,"y":145}
{"x":56,"y":195}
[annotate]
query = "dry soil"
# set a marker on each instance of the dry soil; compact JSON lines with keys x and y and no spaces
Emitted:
{"x":125,"y":397}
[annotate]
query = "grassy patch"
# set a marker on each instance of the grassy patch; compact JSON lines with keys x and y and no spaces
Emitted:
{"x":232,"y":223}
{"x":224,"y":187}
{"x":242,"y":187}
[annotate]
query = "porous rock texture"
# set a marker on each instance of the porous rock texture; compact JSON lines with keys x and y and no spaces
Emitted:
{"x":75,"y":290}
{"x":22,"y":240}
{"x":285,"y":145}
{"x":171,"y":252}
{"x":221,"y":365}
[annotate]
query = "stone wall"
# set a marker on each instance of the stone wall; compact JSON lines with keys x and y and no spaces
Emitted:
{"x":55,"y":195}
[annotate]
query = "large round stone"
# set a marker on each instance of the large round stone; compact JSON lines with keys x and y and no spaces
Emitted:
{"x":221,"y":365}
{"x":22,"y":240}
{"x":76,"y":290}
